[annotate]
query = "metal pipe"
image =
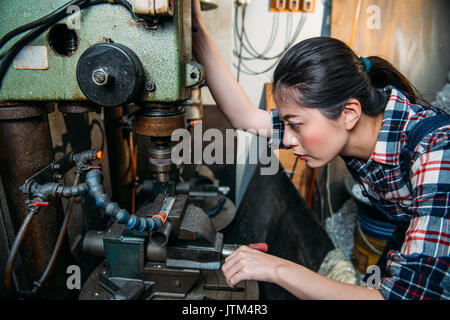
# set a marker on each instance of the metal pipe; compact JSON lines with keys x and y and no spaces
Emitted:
{"x":26,"y":148}
{"x":93,"y":243}
{"x":160,"y":237}
{"x":156,"y":249}
{"x":119,"y":157}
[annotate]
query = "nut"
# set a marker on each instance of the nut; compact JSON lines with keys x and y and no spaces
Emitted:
{"x":100,"y":77}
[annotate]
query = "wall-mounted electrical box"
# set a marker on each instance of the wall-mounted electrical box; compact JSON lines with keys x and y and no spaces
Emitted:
{"x":280,"y":4}
{"x":308,"y":5}
{"x":292,"y":5}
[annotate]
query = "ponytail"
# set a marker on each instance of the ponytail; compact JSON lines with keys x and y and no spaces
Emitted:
{"x":383,"y":73}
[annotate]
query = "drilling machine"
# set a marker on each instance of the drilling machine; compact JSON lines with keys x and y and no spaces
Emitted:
{"x":117,"y":54}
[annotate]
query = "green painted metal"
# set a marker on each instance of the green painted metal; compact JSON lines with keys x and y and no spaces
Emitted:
{"x":165,"y":52}
{"x":123,"y":254}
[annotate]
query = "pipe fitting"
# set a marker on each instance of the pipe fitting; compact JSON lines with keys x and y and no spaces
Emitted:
{"x":85,"y":156}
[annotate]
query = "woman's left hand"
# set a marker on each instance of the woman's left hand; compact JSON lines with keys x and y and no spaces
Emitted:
{"x":250,"y":264}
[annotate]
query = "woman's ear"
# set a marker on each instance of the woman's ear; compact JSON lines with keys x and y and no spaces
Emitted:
{"x":351,"y":113}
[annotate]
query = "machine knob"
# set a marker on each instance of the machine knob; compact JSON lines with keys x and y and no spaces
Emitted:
{"x":110,"y":74}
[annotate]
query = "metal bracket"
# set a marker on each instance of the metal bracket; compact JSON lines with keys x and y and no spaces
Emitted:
{"x":194,"y":74}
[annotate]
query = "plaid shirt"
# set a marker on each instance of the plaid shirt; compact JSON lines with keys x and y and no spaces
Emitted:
{"x":420,"y":269}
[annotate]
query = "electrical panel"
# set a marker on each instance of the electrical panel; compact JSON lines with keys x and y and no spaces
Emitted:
{"x":292,"y":5}
{"x":308,"y":5}
{"x":280,"y":4}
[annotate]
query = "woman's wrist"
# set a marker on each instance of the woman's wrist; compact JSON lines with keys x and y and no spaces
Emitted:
{"x":280,"y":269}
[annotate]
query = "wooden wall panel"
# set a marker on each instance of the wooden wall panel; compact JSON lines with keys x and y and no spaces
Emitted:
{"x":414,"y":35}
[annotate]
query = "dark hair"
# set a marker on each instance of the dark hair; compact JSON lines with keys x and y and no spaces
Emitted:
{"x":325,"y":73}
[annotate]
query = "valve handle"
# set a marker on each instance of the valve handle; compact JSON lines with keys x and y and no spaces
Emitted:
{"x":263,"y":247}
{"x":40,"y":204}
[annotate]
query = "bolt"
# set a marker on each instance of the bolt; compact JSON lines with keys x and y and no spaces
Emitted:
{"x":150,"y":86}
{"x":100,"y":77}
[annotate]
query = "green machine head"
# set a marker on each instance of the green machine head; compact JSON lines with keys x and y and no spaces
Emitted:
{"x":109,"y":52}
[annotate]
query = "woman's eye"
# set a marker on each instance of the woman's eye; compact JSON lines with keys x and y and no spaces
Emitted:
{"x":294,"y":125}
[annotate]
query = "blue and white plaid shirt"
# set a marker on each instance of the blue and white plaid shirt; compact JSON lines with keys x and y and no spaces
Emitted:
{"x":420,"y":269}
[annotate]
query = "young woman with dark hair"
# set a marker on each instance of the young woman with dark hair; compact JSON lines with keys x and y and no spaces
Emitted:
{"x":330,"y":102}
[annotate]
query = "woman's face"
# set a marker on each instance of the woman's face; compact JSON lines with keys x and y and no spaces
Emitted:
{"x":312,"y":136}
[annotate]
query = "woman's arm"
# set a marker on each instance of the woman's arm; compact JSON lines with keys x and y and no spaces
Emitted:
{"x":224,"y":88}
{"x":249,"y":264}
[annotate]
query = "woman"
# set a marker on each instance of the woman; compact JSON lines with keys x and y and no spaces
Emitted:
{"x":329,"y":103}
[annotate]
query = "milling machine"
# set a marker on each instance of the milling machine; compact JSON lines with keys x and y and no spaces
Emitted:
{"x":132,"y":62}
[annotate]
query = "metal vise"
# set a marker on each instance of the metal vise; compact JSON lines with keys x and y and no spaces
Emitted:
{"x":158,"y":263}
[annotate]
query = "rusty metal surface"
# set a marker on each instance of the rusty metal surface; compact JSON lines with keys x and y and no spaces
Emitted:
{"x":14,"y":112}
{"x":225,"y":216}
{"x":26,"y":148}
{"x":158,"y":126}
{"x":119,"y":157}
{"x":77,"y":108}
{"x":195,"y":224}
{"x":6,"y":238}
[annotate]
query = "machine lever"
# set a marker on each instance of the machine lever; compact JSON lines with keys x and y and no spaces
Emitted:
{"x":228,"y":249}
{"x":263,"y":247}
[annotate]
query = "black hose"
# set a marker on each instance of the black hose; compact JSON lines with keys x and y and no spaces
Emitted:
{"x":20,"y":236}
{"x":217,"y":209}
{"x":15,"y":249}
{"x":44,"y":192}
{"x":59,"y":241}
{"x":61,"y":11}
{"x":127,"y":5}
{"x":9,"y":56}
